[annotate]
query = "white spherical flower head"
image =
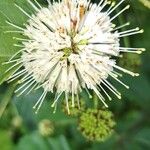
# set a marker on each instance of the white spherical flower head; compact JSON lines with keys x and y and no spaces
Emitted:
{"x":71,"y":46}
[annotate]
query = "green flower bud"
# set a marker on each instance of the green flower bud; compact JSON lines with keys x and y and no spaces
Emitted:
{"x":46,"y":128}
{"x":17,"y":122}
{"x":96,"y":125}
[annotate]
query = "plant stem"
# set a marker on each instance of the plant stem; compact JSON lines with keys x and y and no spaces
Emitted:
{"x":121,"y":21}
{"x":95,"y":99}
{"x":7,"y":97}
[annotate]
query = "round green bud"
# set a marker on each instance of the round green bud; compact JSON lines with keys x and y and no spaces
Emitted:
{"x":96,"y":125}
{"x":46,"y":128}
{"x":17,"y":122}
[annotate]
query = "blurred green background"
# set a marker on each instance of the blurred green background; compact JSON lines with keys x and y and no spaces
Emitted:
{"x":22,"y":129}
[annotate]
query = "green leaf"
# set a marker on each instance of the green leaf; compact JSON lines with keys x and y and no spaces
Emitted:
{"x":9,"y":12}
{"x":7,"y":97}
{"x":35,"y":141}
{"x":59,"y":143}
{"x":32,"y":142}
{"x":142,"y":138}
{"x":26,"y":102}
{"x":5,"y":140}
{"x":108,"y":144}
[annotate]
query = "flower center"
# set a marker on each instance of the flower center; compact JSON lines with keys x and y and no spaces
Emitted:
{"x":70,"y":50}
{"x":74,"y":48}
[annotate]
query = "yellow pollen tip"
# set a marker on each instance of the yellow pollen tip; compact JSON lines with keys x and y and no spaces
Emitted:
{"x":137,"y":28}
{"x":141,"y":31}
{"x":143,"y":49}
{"x":127,"y":7}
{"x":128,"y":23}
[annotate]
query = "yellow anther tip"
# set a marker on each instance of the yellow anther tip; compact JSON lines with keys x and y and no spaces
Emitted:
{"x":143,"y":49}
{"x":127,"y":7}
{"x":141,"y":31}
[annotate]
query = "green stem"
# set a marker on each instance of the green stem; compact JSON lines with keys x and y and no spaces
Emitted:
{"x":122,"y":21}
{"x":95,"y":99}
{"x":7,"y":97}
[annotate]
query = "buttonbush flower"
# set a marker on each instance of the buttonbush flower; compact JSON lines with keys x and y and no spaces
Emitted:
{"x":70,"y":46}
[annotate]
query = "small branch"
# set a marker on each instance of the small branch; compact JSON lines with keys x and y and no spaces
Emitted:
{"x":7,"y":97}
{"x":95,"y":99}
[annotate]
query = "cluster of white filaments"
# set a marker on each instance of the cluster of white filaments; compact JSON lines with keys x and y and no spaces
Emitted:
{"x":70,"y":46}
